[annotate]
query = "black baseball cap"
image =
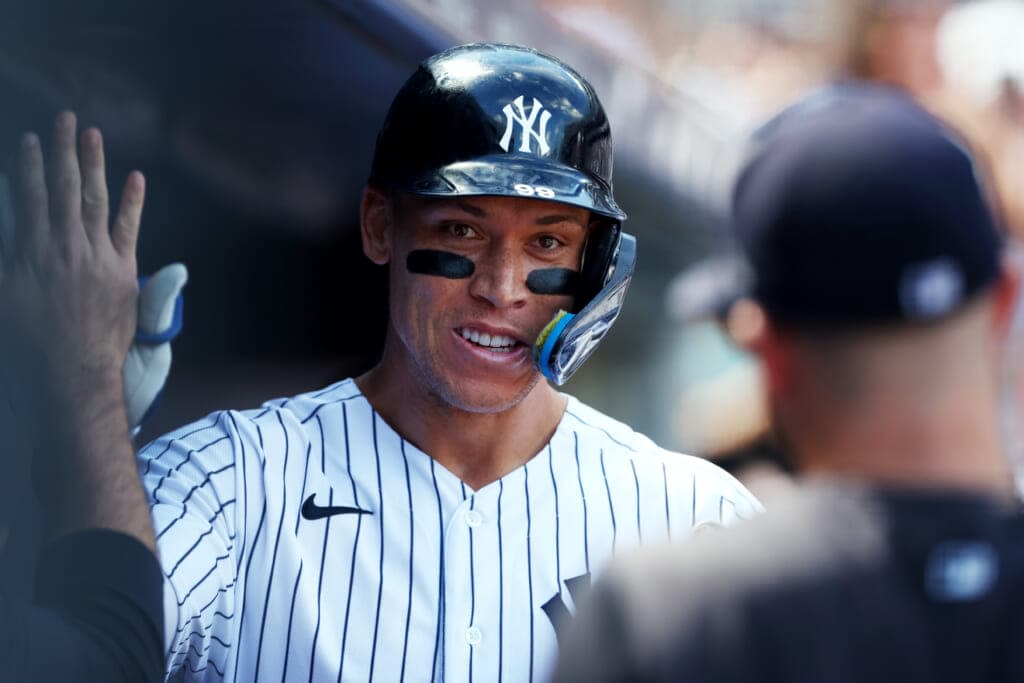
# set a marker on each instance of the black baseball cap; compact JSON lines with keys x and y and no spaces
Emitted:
{"x":857,"y":206}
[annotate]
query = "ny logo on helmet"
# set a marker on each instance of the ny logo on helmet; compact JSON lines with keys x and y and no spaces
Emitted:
{"x":516,"y":113}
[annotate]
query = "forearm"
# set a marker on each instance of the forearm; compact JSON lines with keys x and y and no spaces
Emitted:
{"x":85,"y":473}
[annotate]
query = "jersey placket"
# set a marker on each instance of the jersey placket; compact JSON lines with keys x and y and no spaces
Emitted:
{"x":471,"y":589}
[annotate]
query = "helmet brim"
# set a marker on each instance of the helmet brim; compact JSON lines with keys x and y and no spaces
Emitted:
{"x":505,"y":176}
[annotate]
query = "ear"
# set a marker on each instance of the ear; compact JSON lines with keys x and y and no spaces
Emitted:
{"x":377,"y":225}
{"x":1006,"y":294}
{"x":777,"y":352}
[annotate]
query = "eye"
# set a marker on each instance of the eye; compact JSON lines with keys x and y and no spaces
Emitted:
{"x":460,"y":230}
{"x":548,"y":242}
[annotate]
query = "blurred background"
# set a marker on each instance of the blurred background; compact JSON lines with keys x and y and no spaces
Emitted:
{"x":255,"y":122}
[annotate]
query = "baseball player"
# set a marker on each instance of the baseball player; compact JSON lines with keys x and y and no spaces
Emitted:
{"x":878,"y":272}
{"x":438,"y":517}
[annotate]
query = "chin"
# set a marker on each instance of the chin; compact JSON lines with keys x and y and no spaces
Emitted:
{"x":482,"y":397}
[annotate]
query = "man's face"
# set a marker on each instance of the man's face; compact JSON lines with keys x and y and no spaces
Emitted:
{"x":467,"y":340}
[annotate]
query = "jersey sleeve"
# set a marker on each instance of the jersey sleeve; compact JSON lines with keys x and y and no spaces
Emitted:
{"x":190,"y":479}
{"x":715,"y":496}
{"x":100,"y":622}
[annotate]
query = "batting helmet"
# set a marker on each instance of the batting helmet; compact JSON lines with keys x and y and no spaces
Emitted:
{"x":503,"y":120}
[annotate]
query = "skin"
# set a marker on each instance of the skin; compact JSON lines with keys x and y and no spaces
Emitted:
{"x":68,"y":298}
{"x":909,"y":406}
{"x":480,"y":413}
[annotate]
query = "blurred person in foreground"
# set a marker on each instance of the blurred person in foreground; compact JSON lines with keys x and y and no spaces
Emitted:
{"x":68,"y":310}
{"x":878,"y":271}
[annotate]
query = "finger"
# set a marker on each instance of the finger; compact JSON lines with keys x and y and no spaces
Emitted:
{"x":33,"y":225}
{"x":65,"y":179}
{"x":125,"y":233}
{"x":95,"y":202}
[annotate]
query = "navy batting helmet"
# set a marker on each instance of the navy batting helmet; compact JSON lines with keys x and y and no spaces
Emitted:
{"x":503,"y":120}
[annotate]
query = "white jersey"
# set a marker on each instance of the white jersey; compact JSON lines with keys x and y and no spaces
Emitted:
{"x":307,"y":541}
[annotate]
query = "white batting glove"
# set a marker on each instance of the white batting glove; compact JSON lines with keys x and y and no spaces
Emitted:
{"x":149,"y":358}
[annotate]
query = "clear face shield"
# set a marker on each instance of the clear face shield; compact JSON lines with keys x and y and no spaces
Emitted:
{"x":569,"y":339}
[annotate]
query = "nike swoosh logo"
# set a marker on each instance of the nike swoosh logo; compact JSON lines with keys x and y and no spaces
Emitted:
{"x":311,"y":510}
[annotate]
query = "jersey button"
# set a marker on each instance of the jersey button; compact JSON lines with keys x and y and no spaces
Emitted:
{"x":473,"y":635}
{"x":474,"y":518}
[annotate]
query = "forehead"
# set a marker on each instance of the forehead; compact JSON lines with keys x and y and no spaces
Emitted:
{"x":498,"y":209}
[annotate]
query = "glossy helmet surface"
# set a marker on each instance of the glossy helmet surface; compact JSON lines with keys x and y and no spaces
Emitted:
{"x":498,"y":120}
{"x":502,"y":120}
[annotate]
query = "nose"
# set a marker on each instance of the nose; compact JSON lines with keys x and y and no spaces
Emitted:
{"x":500,"y":278}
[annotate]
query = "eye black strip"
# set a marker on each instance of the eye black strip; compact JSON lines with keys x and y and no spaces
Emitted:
{"x":439,"y":263}
{"x":553,"y":281}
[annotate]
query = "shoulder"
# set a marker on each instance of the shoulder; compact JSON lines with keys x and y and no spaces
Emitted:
{"x":227,"y":434}
{"x":806,"y":548}
{"x":807,"y":557}
{"x":702,"y":484}
{"x":602,"y":430}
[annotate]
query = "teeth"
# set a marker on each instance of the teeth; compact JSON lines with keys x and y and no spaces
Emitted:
{"x":497,"y":342}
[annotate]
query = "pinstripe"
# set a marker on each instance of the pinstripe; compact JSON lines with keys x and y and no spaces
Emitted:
{"x":188,"y":458}
{"x":196,"y":544}
{"x":440,"y":578}
{"x":316,"y":411}
{"x":583,"y":498}
{"x":636,"y":484}
{"x":380,"y":571}
{"x":611,"y":506}
{"x":298,"y":575}
{"x":291,"y":619}
{"x":355,"y":543}
{"x":252,"y":553}
{"x":188,"y":497}
{"x":202,"y":609}
{"x":209,"y":663}
{"x":529,"y":560}
{"x":203,"y":578}
{"x":323,"y":550}
{"x":668,"y":518}
{"x":277,"y":543}
{"x":171,"y":442}
{"x":604,"y":431}
{"x":245,"y":496}
{"x":558,"y":538}
{"x":408,"y":613}
{"x":472,"y":587}
{"x":501,"y":585}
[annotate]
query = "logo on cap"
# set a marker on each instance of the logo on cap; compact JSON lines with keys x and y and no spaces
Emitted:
{"x":960,"y":571}
{"x":931,"y":289}
{"x":515,"y":112}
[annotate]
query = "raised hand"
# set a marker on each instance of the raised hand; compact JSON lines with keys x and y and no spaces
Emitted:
{"x":68,"y":308}
{"x":68,"y":285}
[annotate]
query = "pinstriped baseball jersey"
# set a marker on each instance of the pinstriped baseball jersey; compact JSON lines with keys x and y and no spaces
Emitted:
{"x":309,"y":541}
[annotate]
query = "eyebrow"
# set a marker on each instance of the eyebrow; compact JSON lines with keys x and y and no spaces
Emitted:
{"x":559,"y":218}
{"x":543,"y":220}
{"x":473,"y":210}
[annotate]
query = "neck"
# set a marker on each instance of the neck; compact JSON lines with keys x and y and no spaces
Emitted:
{"x":951,"y":444}
{"x":478,"y":448}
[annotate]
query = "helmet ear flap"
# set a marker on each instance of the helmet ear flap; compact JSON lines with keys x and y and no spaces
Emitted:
{"x":598,"y":260}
